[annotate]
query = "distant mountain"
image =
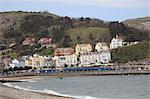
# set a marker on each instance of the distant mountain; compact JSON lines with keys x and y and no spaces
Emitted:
{"x":139,"y":23}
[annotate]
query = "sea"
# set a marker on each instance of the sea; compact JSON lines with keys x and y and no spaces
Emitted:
{"x":92,"y":87}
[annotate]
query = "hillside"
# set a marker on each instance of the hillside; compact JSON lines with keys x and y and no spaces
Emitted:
{"x":139,"y":23}
{"x":88,"y":34}
{"x":131,"y":53}
{"x":18,"y":25}
{"x":15,"y":26}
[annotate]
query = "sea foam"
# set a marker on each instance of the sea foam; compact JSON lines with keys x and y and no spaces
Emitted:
{"x":28,"y":80}
{"x":88,"y":97}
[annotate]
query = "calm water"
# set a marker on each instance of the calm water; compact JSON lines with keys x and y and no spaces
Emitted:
{"x":111,"y":87}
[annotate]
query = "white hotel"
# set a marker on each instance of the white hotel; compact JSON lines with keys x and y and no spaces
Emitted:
{"x":116,"y":42}
{"x":69,"y":60}
{"x":95,"y":58}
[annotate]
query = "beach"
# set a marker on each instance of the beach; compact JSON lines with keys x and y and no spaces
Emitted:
{"x":50,"y":87}
{"x":12,"y":93}
{"x":7,"y":92}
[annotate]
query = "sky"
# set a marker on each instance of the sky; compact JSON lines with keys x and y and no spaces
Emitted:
{"x":108,"y":10}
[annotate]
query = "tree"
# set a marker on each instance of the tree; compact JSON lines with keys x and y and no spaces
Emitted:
{"x":10,"y":69}
{"x":81,"y":19}
{"x":43,"y":32}
{"x":87,"y":19}
{"x":38,"y":45}
{"x":92,"y":39}
{"x":47,"y":51}
{"x":117,"y":28}
{"x":67,"y":41}
{"x":66,"y":66}
{"x":45,"y":11}
{"x":15,"y":68}
{"x":78,"y":39}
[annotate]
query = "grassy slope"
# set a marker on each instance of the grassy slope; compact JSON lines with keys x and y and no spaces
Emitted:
{"x":84,"y":32}
{"x":140,"y":23}
{"x":130,"y":53}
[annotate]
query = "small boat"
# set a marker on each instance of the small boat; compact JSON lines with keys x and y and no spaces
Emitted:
{"x":60,"y":77}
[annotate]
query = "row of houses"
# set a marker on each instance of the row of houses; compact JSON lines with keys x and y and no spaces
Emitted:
{"x":116,"y":42}
{"x":36,"y":61}
{"x":39,"y":61}
{"x":88,"y":59}
{"x":84,"y":55}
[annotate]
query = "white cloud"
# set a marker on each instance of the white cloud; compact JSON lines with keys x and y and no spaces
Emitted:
{"x":98,"y":3}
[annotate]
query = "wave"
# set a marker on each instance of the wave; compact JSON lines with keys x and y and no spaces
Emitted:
{"x":8,"y":84}
{"x":12,"y":86}
{"x":31,"y":80}
{"x":39,"y":78}
{"x":28,"y":80}
{"x":40,"y":91}
{"x":47,"y":91}
{"x":65,"y":95}
{"x":88,"y":97}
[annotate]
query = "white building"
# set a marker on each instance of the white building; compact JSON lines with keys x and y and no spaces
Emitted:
{"x":69,"y":60}
{"x":17,"y":63}
{"x":116,"y":42}
{"x":94,"y":58}
{"x":132,"y":43}
{"x":101,"y":46}
{"x":105,"y":56}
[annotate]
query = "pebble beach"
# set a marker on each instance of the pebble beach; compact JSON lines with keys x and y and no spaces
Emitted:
{"x":12,"y":93}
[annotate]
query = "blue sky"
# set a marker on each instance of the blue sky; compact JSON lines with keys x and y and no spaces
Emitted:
{"x":108,"y":10}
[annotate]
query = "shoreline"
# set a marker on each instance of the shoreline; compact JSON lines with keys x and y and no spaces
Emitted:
{"x":16,"y":93}
{"x":26,"y":76}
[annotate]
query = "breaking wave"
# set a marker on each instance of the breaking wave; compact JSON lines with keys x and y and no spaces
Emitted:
{"x":51,"y":92}
{"x":28,"y":80}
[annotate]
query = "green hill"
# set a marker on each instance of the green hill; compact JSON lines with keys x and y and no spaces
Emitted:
{"x":131,"y":53}
{"x":87,"y":34}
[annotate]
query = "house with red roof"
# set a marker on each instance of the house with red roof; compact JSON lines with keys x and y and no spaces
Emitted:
{"x":63,"y":51}
{"x":45,"y":41}
{"x":29,"y":41}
